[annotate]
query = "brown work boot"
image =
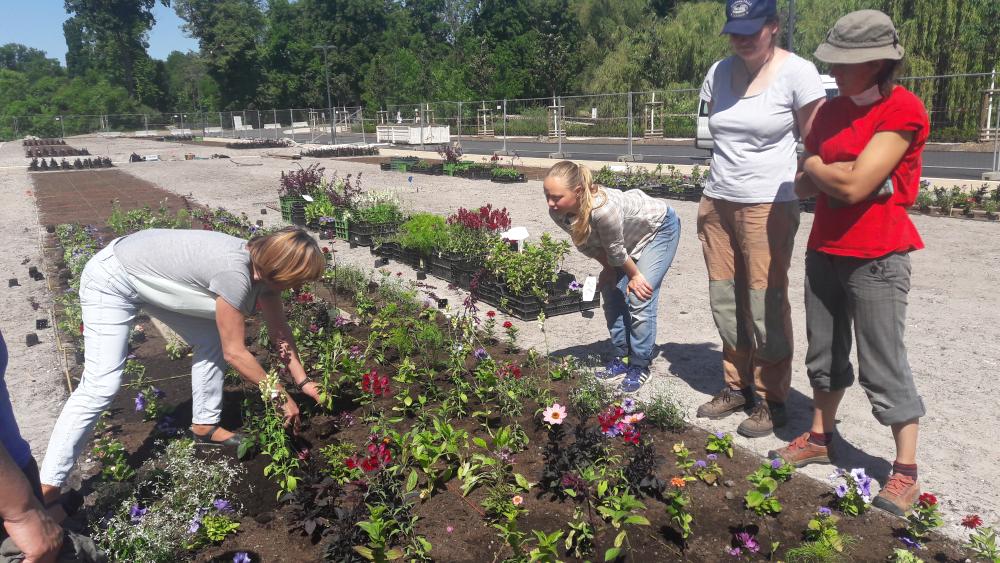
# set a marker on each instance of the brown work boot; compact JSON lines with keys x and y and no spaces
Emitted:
{"x":763,"y":419}
{"x":800,"y":452}
{"x":725,"y":403}
{"x":898,"y":495}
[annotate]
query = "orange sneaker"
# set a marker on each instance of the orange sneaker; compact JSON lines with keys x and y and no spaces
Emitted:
{"x":898,"y":495}
{"x":801,"y":452}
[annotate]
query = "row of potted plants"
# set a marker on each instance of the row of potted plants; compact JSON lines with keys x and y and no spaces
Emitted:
{"x":333,"y":152}
{"x":258,"y":144}
{"x":41,"y":165}
{"x":41,"y":142}
{"x":47,"y":151}
{"x":974,"y":203}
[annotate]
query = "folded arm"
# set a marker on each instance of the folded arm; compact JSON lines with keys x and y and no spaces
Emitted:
{"x":853,"y":182}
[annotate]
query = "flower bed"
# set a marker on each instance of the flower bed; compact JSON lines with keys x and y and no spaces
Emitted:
{"x":259,"y":144}
{"x":42,"y":165}
{"x":976,"y":203}
{"x":437,"y":437}
{"x":334,"y":152}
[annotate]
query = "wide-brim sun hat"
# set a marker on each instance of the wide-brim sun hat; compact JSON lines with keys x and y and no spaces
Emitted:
{"x":746,"y":17}
{"x":860,"y":37}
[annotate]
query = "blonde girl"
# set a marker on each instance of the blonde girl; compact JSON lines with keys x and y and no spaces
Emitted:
{"x":634,"y":237}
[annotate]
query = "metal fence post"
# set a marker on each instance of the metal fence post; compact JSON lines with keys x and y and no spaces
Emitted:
{"x":421,"y":127}
{"x":630,"y":157}
{"x":459,"y":124}
{"x":361,"y":116}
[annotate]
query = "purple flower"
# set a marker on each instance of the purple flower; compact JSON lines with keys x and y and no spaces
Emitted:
{"x":748,"y":541}
{"x":776,"y":463}
{"x":575,"y":286}
{"x":136,"y":513}
{"x":481,"y":354}
{"x":859,"y":474}
{"x":712,"y":457}
{"x":910,"y":542}
{"x":840,"y":490}
{"x":194,"y":525}
{"x":720,"y":435}
{"x":824,"y":511}
{"x":734,"y":551}
{"x":140,"y":402}
{"x":339,"y":322}
{"x":628,"y":405}
{"x":700,"y":464}
{"x":222,"y":505}
{"x":241,"y":557}
{"x":158,"y":393}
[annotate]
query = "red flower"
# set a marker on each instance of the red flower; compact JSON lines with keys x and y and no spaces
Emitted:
{"x":304,"y":297}
{"x":972,"y":521}
{"x":507,"y":324}
{"x":81,"y":328}
{"x":351,"y":463}
{"x":610,"y":417}
{"x":516,"y":372}
{"x":631,"y":435}
{"x":326,"y":250}
{"x":491,"y":314}
{"x":927,"y":500}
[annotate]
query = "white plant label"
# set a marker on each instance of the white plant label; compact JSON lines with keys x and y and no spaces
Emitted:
{"x":589,"y":288}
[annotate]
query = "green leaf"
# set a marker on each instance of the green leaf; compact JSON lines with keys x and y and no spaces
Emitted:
{"x":480,"y":442}
{"x":637,"y":520}
{"x":620,"y":538}
{"x":411,"y":481}
{"x":612,"y":554}
{"x":522,"y":481}
{"x":364,"y":552}
{"x":394,"y":553}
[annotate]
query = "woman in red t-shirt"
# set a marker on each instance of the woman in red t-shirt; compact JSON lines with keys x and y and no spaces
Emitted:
{"x":863,"y":165}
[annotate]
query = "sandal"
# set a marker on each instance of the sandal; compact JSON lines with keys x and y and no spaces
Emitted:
{"x":207,"y":440}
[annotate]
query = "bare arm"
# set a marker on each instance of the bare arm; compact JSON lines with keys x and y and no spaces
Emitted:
{"x":281,"y":334}
{"x":805,"y":188}
{"x":804,"y":116}
{"x":229,"y":320}
{"x":24,"y":519}
{"x":876,"y":162}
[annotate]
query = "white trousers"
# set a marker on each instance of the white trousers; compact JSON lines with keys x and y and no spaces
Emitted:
{"x":110,"y":304}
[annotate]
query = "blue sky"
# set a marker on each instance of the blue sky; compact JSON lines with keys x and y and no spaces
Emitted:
{"x":38,"y":24}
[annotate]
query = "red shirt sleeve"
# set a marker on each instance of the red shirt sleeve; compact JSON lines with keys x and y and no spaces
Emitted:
{"x":907,"y":114}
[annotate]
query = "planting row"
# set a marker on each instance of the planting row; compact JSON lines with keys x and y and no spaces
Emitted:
{"x":977,"y":203}
{"x":259,"y":144}
{"x":466,"y":248}
{"x":41,"y":165}
{"x":332,"y":152}
{"x":42,"y":142}
{"x":435,"y":437}
{"x":33,"y":152}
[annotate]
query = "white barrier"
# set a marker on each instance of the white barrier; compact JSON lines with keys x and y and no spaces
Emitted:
{"x":141,"y":134}
{"x":272,"y":126}
{"x":180,"y":133}
{"x":213,"y":131}
{"x":110,"y":134}
{"x":413,"y":134}
{"x":243,"y":128}
{"x":298,"y":124}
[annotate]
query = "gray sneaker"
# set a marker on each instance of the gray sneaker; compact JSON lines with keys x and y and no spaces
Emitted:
{"x":725,"y":403}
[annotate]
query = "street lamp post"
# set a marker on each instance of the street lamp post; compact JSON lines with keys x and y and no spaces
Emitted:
{"x":62,"y":126}
{"x":329,"y":103}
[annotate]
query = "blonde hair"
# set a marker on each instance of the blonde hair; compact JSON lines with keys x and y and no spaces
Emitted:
{"x":288,"y":257}
{"x":579,"y":175}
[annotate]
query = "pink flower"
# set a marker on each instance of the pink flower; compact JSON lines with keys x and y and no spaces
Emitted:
{"x":554,"y":414}
{"x":450,"y":529}
{"x":518,"y":500}
{"x":633,"y":418}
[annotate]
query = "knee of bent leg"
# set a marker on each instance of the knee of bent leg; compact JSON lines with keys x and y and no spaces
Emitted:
{"x":722,"y":297}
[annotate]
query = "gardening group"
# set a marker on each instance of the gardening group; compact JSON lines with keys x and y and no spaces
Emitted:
{"x":861,"y":161}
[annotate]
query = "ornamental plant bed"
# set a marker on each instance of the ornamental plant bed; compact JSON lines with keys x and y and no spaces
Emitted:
{"x":364,"y":233}
{"x":428,"y":446}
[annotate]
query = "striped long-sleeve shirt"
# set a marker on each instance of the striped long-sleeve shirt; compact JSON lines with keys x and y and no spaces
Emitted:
{"x":621,"y":226}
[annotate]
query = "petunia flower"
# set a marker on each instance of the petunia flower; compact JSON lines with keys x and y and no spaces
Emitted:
{"x":241,"y":557}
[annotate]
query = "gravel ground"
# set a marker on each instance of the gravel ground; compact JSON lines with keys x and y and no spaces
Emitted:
{"x":953,"y":325}
{"x":35,"y":376}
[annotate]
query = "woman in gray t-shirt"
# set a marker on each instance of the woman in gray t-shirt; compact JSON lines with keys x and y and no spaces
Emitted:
{"x":202,"y":284}
{"x":758,"y":98}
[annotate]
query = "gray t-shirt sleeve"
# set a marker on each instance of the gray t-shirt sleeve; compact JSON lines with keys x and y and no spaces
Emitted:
{"x":807,"y":86}
{"x":709,"y":83}
{"x":235,"y":288}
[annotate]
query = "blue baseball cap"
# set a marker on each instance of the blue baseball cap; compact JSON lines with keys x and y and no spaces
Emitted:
{"x":746,"y":17}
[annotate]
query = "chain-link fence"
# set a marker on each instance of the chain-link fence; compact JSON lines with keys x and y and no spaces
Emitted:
{"x":962,"y":108}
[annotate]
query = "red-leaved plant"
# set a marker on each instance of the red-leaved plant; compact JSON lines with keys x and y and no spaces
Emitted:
{"x":485,"y":218}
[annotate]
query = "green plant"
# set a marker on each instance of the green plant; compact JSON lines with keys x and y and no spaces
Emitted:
{"x":677,"y":500}
{"x":664,"y":413}
{"x":213,"y":528}
{"x":824,"y":543}
{"x":580,"y":539}
{"x":904,"y":556}
{"x":320,"y":206}
{"x":381,"y":529}
{"x":422,"y":233}
{"x":546,"y":550}
{"x":114,"y":459}
{"x":762,"y":499}
{"x":380,"y":212}
{"x":436,"y":451}
{"x":982,"y":539}
{"x":531,"y":271}
{"x":620,"y":509}
{"x":504,"y":172}
{"x":682,"y":457}
{"x":924,"y":517}
{"x":337,"y":468}
{"x":270,"y":436}
{"x":590,"y":396}
{"x":720,"y":443}
{"x":176,"y":348}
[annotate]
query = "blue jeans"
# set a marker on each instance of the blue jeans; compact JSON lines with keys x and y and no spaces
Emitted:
{"x":631,"y":321}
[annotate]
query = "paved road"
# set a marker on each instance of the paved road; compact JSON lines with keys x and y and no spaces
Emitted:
{"x":937,"y":164}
